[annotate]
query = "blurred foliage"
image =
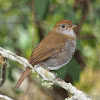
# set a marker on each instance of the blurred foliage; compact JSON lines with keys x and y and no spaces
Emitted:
{"x":24,"y":23}
{"x":41,"y":9}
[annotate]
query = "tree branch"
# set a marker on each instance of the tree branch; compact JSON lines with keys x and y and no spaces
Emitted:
{"x":5,"y":97}
{"x":47,"y":76}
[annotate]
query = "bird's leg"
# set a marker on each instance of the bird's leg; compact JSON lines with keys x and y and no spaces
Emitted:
{"x":59,"y":79}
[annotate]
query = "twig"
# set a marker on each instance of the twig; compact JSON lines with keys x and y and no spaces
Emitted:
{"x":47,"y":76}
{"x":3,"y":70}
{"x":5,"y":97}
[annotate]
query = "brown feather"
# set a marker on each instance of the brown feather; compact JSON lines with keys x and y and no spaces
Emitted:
{"x":68,"y":22}
{"x":48,"y":48}
{"x":23,"y":76}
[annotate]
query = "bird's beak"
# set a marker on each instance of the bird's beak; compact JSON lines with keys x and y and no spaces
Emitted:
{"x":73,"y":26}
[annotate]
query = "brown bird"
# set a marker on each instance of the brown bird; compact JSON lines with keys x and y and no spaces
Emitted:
{"x":55,"y":50}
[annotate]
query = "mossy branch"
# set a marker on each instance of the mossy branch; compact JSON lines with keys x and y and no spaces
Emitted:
{"x":5,"y":97}
{"x":47,"y":76}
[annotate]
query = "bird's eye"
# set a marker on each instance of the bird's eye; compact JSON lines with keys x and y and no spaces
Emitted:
{"x":63,"y":26}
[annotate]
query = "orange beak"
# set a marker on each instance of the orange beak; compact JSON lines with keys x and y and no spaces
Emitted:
{"x":73,"y":26}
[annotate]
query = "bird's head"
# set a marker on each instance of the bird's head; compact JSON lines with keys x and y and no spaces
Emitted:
{"x":65,"y":27}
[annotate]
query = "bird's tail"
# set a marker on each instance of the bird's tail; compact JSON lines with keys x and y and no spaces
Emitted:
{"x":23,"y":76}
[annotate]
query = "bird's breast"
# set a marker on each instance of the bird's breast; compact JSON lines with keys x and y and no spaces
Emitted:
{"x":70,"y":46}
{"x":62,"y":58}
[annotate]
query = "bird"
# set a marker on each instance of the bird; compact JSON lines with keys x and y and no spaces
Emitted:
{"x":55,"y":50}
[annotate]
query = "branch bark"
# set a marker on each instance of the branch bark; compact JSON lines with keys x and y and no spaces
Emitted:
{"x":5,"y":97}
{"x":3,"y":63}
{"x":47,"y":76}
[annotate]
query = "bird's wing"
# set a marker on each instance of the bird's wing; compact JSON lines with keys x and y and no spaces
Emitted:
{"x":50,"y":46}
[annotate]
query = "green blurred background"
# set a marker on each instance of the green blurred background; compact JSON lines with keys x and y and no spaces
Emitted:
{"x":23,"y":23}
